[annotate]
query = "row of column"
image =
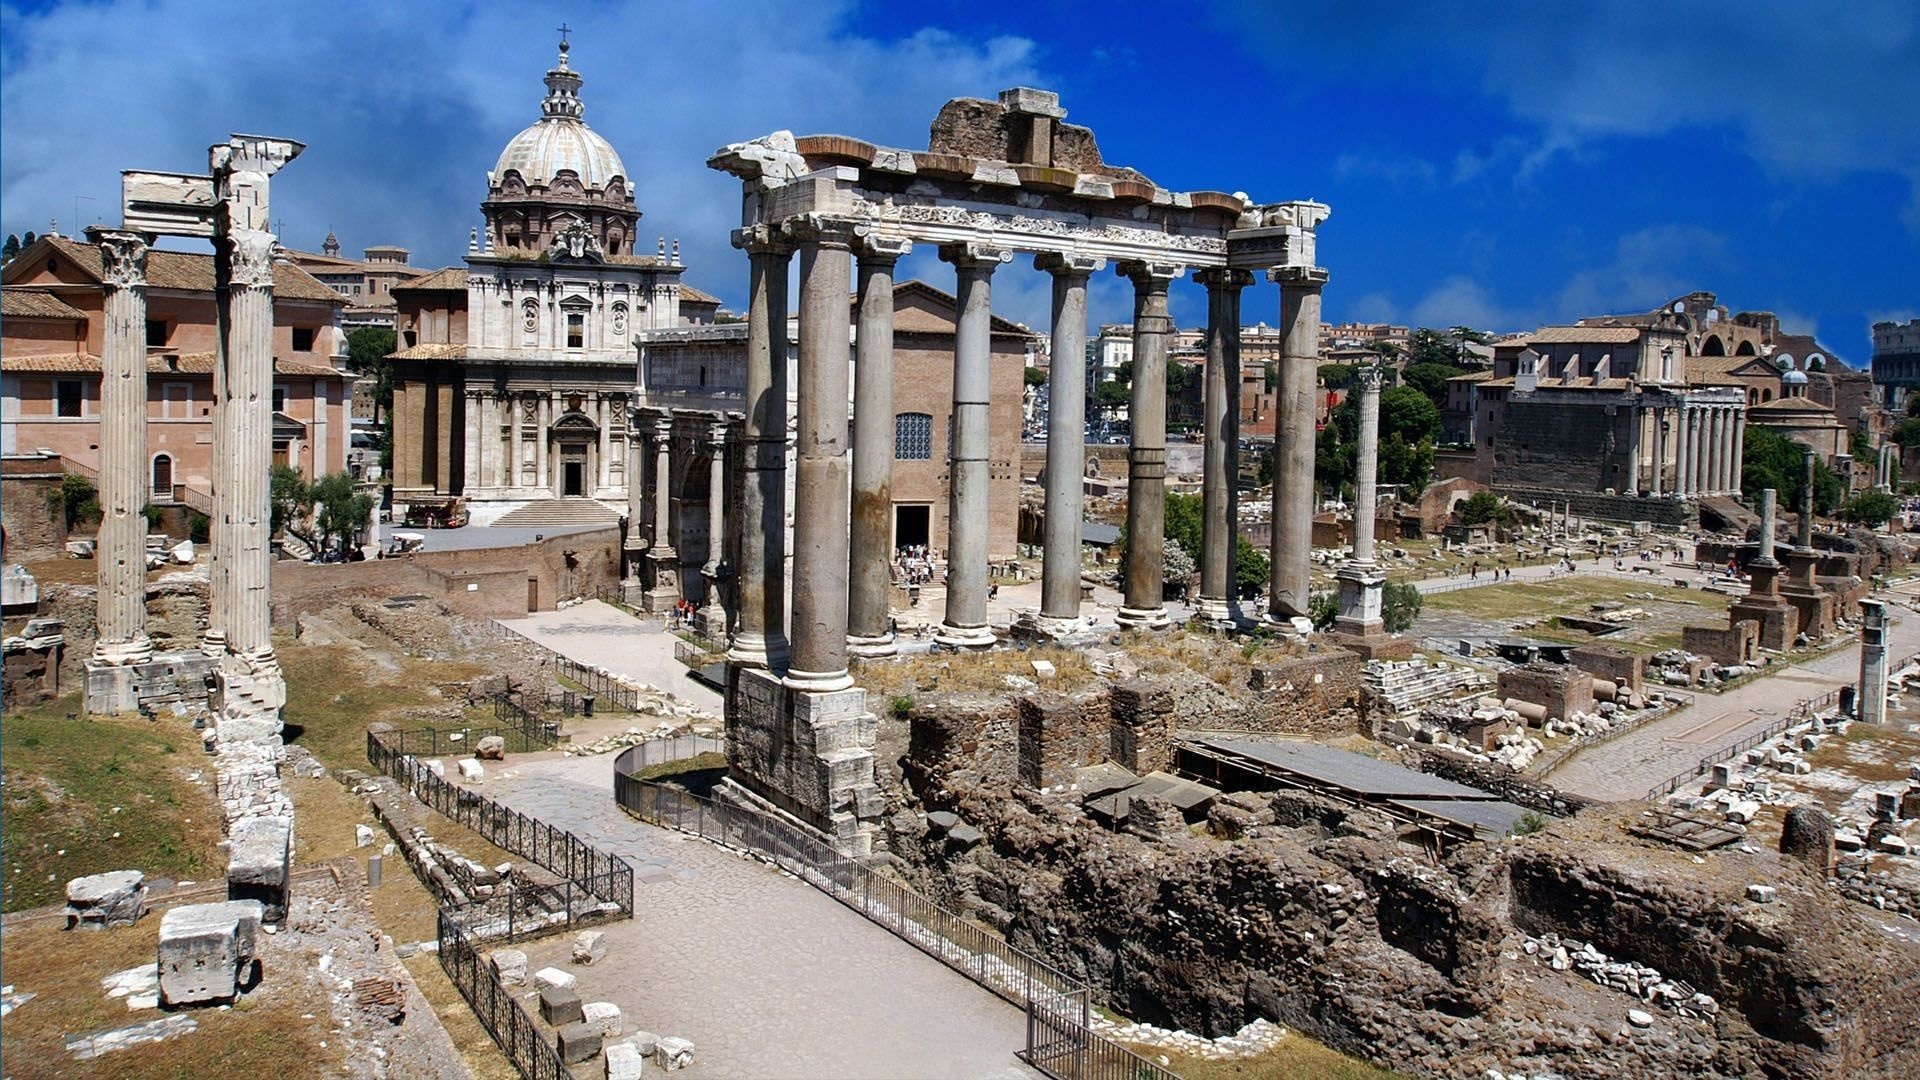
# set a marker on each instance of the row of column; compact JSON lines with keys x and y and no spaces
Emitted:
{"x":496,"y":437}
{"x":651,"y":439}
{"x":1707,"y":442}
{"x":843,"y":497}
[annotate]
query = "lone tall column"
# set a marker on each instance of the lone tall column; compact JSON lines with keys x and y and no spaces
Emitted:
{"x":663,"y":591}
{"x":1066,"y":442}
{"x":1293,"y":487}
{"x":760,"y":626}
{"x":633,"y":586}
{"x":1221,"y":447}
{"x":713,"y":613}
{"x":820,"y":482}
{"x":1873,"y":662}
{"x":1361,"y":583}
{"x":1144,"y":606}
{"x":1805,"y":538}
{"x":870,"y":539}
{"x":252,"y":690}
{"x":121,"y":608}
{"x":967,"y":513}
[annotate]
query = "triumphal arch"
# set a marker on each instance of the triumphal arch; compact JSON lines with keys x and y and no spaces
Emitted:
{"x":998,"y":179}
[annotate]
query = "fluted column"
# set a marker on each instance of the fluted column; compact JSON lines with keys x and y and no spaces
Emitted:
{"x":1221,"y":445}
{"x":1066,"y":440}
{"x":1366,"y":465}
{"x":1144,"y":606}
{"x":1659,"y":449}
{"x":1294,"y":443}
{"x":716,"y":521}
{"x":1633,"y":451}
{"x":821,"y":478}
{"x":1683,"y":456}
{"x":250,"y":419}
{"x":870,"y":536}
{"x":662,"y":482}
{"x":120,"y":613}
{"x":759,"y":636}
{"x":965,"y":622}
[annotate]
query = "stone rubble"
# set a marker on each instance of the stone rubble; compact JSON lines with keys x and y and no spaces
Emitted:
{"x":140,"y":986}
{"x":1252,"y":1040}
{"x":98,"y":901}
{"x":87,"y":1047}
{"x":1636,"y":980}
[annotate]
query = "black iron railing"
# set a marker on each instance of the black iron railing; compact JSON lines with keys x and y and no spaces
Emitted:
{"x":1061,"y":1041}
{"x":517,"y":1033}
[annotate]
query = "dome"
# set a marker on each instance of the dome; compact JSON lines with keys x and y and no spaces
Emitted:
{"x":560,"y":141}
{"x":557,"y":144}
{"x":1793,"y":377}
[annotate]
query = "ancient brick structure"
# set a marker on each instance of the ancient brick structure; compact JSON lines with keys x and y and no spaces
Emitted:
{"x":1142,"y":726}
{"x":1322,"y":693}
{"x":1561,"y":689}
{"x":1627,"y":671}
{"x":1735,"y":644}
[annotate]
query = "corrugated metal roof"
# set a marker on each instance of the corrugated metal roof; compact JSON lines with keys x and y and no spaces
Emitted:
{"x":1352,"y":772}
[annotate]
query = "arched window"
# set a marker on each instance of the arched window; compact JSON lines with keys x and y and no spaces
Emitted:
{"x":913,"y":436}
{"x":162,"y":478}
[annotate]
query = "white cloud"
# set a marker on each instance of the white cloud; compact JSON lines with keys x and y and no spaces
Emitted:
{"x":1462,"y":301}
{"x":404,"y":107}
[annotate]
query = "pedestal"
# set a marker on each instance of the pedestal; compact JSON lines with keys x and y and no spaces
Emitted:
{"x":965,"y":637}
{"x":1143,"y":618}
{"x":1216,"y":614}
{"x":872,"y":648}
{"x":1360,"y":627}
{"x":168,"y":677}
{"x":663,"y":580}
{"x":806,"y":756}
{"x":1033,"y":626}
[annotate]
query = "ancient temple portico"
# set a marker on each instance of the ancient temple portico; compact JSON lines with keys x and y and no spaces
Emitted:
{"x":1000,"y":178}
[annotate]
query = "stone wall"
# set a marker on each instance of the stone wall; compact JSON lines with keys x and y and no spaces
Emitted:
{"x":1498,"y":779}
{"x":33,"y":529}
{"x":1058,"y":735}
{"x":1141,"y":732}
{"x":1672,"y":513}
{"x":1561,"y":689}
{"x":1323,"y":693}
{"x":1734,"y":644}
{"x":1624,"y":669}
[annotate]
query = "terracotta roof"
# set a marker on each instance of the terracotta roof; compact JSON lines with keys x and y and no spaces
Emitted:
{"x":157,"y":364}
{"x":431,"y":352}
{"x":1484,"y":375}
{"x":1578,"y":383}
{"x":17,"y":303}
{"x":1577,"y":335}
{"x":945,"y":299}
{"x":191,"y":272}
{"x":1790,"y":405}
{"x":447,"y":278}
{"x":698,"y":296}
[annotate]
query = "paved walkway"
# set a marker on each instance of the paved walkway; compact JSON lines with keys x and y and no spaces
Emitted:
{"x":601,"y":634}
{"x":1628,"y":766}
{"x":768,"y":976}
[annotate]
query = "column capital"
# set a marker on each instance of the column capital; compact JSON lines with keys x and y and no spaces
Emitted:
{"x":717,"y":432}
{"x":262,"y":154}
{"x":975,"y":255}
{"x":1149,"y":275}
{"x":123,"y":257}
{"x":1370,"y":377}
{"x":820,"y":231}
{"x":1311,"y":278}
{"x":881,"y":250}
{"x":250,"y":254}
{"x":1220,"y":277}
{"x":760,"y":239}
{"x":1068,"y":264}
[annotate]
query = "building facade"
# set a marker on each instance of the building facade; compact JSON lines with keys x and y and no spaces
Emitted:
{"x":52,"y":329}
{"x":366,"y":283}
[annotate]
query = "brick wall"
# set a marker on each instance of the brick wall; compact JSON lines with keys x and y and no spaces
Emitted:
{"x":1058,"y":735}
{"x":1561,"y":689}
{"x":1625,"y":669}
{"x":1735,"y":644}
{"x":1141,"y":732}
{"x":34,"y":531}
{"x":1323,"y":693}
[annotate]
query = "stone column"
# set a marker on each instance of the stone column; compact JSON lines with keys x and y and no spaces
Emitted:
{"x":251,"y":690}
{"x":663,"y":561}
{"x":821,"y":466}
{"x":1804,"y":541}
{"x":1659,"y":449}
{"x":1718,"y":482}
{"x":120,"y":610}
{"x":870,"y":539}
{"x":760,"y":624}
{"x":470,"y":474}
{"x":1872,"y":707}
{"x":1293,"y":453}
{"x":1633,"y":451}
{"x":1683,"y":455}
{"x":1361,"y":583}
{"x":965,"y":623}
{"x":542,"y":427}
{"x":1739,"y":449}
{"x":603,"y":468}
{"x":713,"y":614}
{"x":636,"y":542}
{"x":1144,"y":606}
{"x":1066,"y":442}
{"x":1221,"y":448}
{"x":516,"y":451}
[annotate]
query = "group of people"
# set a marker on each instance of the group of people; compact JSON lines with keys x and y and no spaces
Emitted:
{"x":682,"y":614}
{"x":913,"y":564}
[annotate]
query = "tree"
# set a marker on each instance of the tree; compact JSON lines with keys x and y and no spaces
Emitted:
{"x":1036,"y":377}
{"x":368,"y":348}
{"x":339,"y":510}
{"x":1186,"y":520}
{"x":1870,"y":508}
{"x":75,"y":501}
{"x":1399,"y":605}
{"x":1483,"y":506}
{"x":26,"y":241}
{"x":1176,"y":568}
{"x":1408,"y":413}
{"x":1322,"y":609}
{"x":1251,"y":570}
{"x":1430,"y":379}
{"x":1338,"y":376}
{"x":1179,"y":377}
{"x":1428,"y":346}
{"x":1272,"y":371}
{"x":1388,"y":351}
{"x":1908,"y":433}
{"x":1860,"y":446}
{"x":10,"y":249}
{"x":1111,"y":395}
{"x":1770,"y":460}
{"x":291,"y":500}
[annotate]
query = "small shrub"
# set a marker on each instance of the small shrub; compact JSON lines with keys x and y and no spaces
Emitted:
{"x":900,"y":705}
{"x":1530,"y":822}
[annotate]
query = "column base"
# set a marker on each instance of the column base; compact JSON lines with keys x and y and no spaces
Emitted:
{"x":122,"y":653}
{"x":757,"y":650}
{"x":1296,"y":625}
{"x":965,"y":637}
{"x":712,"y":620}
{"x":164,"y":678}
{"x":872,"y":648}
{"x":1216,"y":614}
{"x":805,"y":757}
{"x":663,"y":589}
{"x":1032,"y":625}
{"x":1143,"y":618}
{"x":817,"y":682}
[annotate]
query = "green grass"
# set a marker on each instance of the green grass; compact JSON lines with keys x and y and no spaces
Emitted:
{"x":63,"y":779}
{"x":1296,"y":1056}
{"x":333,"y":694}
{"x":696,"y":763}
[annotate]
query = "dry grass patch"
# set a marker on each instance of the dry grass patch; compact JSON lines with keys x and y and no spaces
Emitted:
{"x":968,"y":672}
{"x":93,"y":794}
{"x":1297,"y":1056}
{"x":335,"y":691}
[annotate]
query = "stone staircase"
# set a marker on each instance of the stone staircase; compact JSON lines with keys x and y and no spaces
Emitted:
{"x":556,"y":513}
{"x":1409,"y":685}
{"x":296,"y":548}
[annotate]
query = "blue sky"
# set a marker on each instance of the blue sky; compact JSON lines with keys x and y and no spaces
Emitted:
{"x":1494,"y":164}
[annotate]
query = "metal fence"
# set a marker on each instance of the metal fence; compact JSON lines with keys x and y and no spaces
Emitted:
{"x":607,"y":689}
{"x":1060,"y":1039}
{"x":676,"y":748}
{"x":1799,"y":714}
{"x":517,"y":1033}
{"x":595,"y":884}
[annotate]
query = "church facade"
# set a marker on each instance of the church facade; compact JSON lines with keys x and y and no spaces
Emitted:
{"x":514,"y":376}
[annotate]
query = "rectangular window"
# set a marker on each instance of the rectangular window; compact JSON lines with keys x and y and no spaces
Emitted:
{"x":156,"y":333}
{"x":913,"y":437}
{"x":279,"y":399}
{"x":303,"y":339}
{"x":176,"y":401}
{"x":67,"y":396}
{"x":576,"y":331}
